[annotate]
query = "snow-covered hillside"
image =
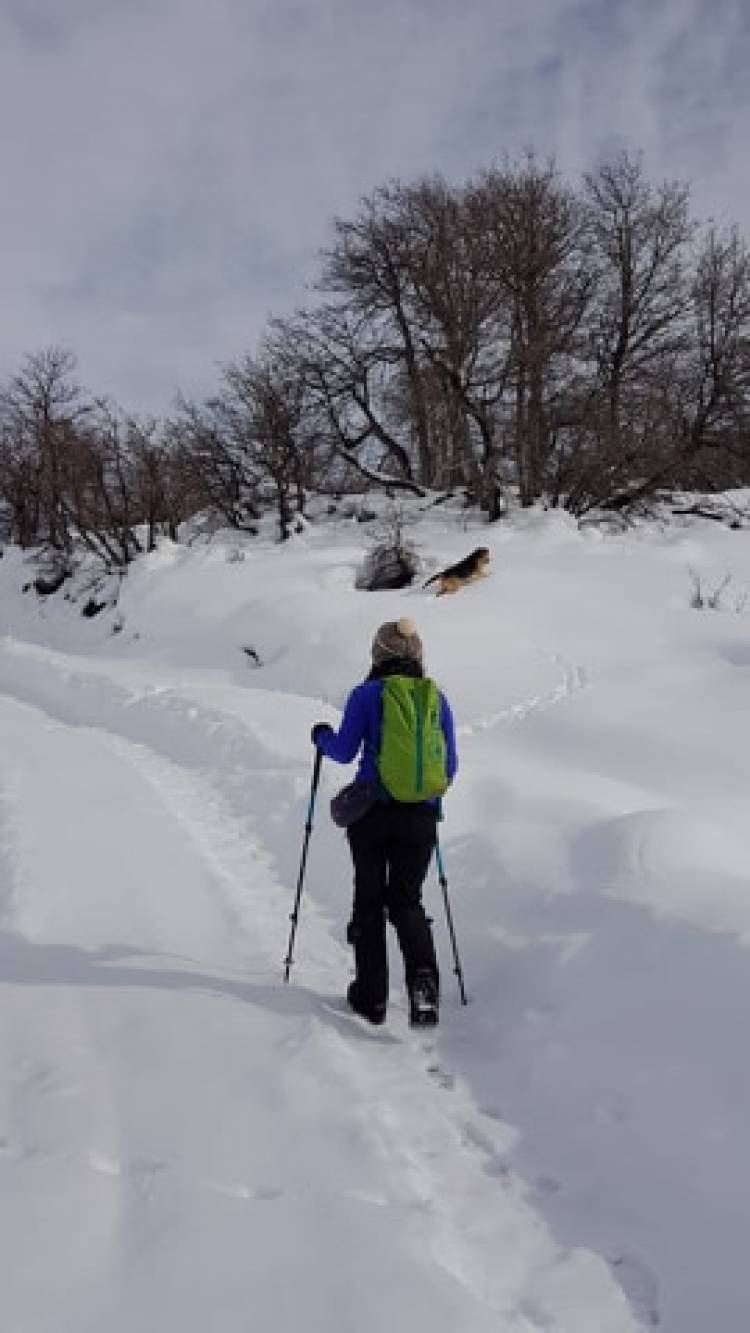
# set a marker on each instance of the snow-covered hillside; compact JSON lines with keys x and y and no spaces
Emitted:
{"x":187,"y":1143}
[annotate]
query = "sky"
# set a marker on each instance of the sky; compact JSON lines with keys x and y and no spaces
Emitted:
{"x":170,"y":169}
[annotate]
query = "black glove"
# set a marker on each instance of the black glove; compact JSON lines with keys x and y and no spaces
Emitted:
{"x":318,"y":730}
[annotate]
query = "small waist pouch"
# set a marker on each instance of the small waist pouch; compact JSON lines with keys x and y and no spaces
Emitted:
{"x":353,"y":801}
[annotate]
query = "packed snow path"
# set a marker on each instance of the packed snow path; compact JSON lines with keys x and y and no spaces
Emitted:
{"x":186,"y":1143}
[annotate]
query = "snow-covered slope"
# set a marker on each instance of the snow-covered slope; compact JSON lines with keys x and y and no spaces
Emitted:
{"x":186,"y":1142}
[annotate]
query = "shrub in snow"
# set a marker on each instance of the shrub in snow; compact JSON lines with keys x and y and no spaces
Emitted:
{"x":392,"y":561}
{"x":714,"y":601}
{"x":47,"y":584}
{"x":387,"y":567}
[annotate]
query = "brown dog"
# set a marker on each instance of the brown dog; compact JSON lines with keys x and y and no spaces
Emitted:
{"x":472,"y":567}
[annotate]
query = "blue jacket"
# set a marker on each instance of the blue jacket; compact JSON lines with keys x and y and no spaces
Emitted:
{"x":361,"y":726}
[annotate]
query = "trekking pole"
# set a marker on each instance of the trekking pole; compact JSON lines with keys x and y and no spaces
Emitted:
{"x":294,"y":917}
{"x":449,"y":918}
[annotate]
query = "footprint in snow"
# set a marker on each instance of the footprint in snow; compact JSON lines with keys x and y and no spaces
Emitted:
{"x":494,"y":1164}
{"x":441,"y":1076}
{"x":104,"y":1166}
{"x":263,"y":1193}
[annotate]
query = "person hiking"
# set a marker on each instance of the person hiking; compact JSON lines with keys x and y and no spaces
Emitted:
{"x":403,"y":726}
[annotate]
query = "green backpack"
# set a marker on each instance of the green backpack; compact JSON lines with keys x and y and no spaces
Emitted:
{"x":411,"y":759}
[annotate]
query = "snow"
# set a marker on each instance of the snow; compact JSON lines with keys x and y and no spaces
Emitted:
{"x":186,"y":1142}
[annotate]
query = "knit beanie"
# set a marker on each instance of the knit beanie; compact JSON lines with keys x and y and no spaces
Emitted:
{"x":396,"y":639}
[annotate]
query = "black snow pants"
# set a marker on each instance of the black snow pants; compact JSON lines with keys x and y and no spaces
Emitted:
{"x":391,"y":848}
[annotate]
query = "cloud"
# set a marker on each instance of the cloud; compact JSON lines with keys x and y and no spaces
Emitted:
{"x":175,"y":166}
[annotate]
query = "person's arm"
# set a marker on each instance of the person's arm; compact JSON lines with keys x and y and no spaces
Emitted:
{"x":449,"y":731}
{"x":342,"y":745}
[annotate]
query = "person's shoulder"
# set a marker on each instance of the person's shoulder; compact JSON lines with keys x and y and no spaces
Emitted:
{"x":365,"y":690}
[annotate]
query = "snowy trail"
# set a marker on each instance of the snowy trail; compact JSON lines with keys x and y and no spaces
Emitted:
{"x":598,"y":1149}
{"x":577,"y":1137}
{"x":229,"y":1143}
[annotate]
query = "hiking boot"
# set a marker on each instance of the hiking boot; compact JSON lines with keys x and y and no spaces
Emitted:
{"x":374,"y":1013}
{"x":423,"y":1000}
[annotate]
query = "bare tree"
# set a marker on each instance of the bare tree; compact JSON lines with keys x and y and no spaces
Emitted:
{"x":100,"y":502}
{"x":641,"y":235}
{"x":716,"y":384}
{"x":43,"y":411}
{"x":368,"y":266}
{"x":263,"y":405}
{"x":219,"y":471}
{"x":457,"y":309}
{"x":509,"y":331}
{"x":165,"y":479}
{"x":19,"y":488}
{"x":351,"y":391}
{"x":540,"y":261}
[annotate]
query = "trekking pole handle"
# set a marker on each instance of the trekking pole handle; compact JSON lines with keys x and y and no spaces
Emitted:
{"x":314,"y":786}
